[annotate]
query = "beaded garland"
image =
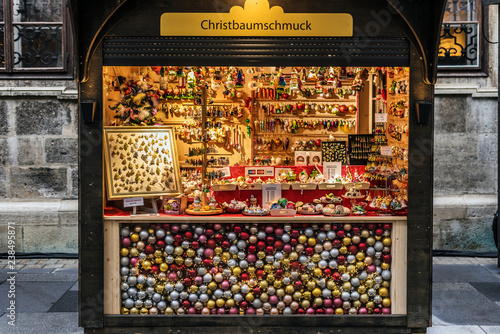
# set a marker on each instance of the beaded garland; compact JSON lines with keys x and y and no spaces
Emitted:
{"x":256,"y":269}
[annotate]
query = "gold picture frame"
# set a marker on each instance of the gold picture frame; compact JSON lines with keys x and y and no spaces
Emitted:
{"x":141,"y":162}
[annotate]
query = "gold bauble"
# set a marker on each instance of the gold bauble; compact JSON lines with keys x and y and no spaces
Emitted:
{"x":144,"y":311}
{"x":385,"y":266}
{"x":305,"y":304}
{"x":211,"y":304}
{"x":316,"y":292}
{"x":387,"y":241}
{"x":134,"y":252}
{"x":179,"y":260}
{"x":339,"y":311}
{"x":134,"y":237}
{"x":236,"y":271}
{"x":311,"y":241}
{"x":264,"y":297}
{"x":212,"y":286}
{"x":360,"y":256}
{"x":289,"y":289}
{"x":343,"y":250}
{"x":302,"y":239}
{"x":386,"y":302}
{"x":346,"y":241}
{"x":346,"y":286}
{"x":306,"y":295}
{"x":134,"y":310}
{"x":163,"y":267}
{"x":364,"y":298}
{"x":220,"y":302}
{"x":190,"y":252}
{"x":383,"y":292}
{"x":249,"y":297}
{"x":278,"y":283}
{"x":124,"y":310}
{"x":230,"y":303}
{"x":297,"y":295}
{"x":310,"y":285}
{"x":124,"y":252}
{"x":146,"y":264}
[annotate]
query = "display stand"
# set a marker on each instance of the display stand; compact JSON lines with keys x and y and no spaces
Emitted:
{"x":146,"y":211}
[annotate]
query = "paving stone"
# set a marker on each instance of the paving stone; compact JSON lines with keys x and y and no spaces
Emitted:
{"x":464,"y":308}
{"x":34,"y":296}
{"x":452,"y":287}
{"x":489,"y":289}
{"x":74,"y":287}
{"x":52,"y":277}
{"x":461,"y":274}
{"x":53,"y":323}
{"x":455,"y":330}
{"x":53,"y":266}
{"x":27,"y":270}
{"x":492,"y":268}
{"x":67,"y":303}
{"x":491,"y":329}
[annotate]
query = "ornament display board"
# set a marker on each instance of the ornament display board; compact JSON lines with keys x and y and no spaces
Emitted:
{"x":270,"y":267}
{"x":141,"y":161}
{"x":334,"y":151}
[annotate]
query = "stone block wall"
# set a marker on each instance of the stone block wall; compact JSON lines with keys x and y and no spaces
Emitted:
{"x":39,"y":166}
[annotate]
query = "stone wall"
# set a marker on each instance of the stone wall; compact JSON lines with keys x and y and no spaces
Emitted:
{"x":39,"y":165}
{"x":466,"y":153}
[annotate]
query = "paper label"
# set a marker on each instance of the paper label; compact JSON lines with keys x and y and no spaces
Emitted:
{"x":380,"y":118}
{"x":270,"y":193}
{"x":332,"y":169}
{"x":226,"y":171}
{"x":131,"y":202}
{"x":386,"y":151}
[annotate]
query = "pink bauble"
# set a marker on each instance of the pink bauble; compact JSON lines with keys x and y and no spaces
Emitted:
{"x":251,"y":258}
{"x":371,"y":269}
{"x":134,"y":261}
{"x":310,"y":310}
{"x":225,"y":285}
{"x":172,"y":276}
{"x":386,"y":310}
{"x":192,"y":310}
{"x":279,"y":232}
{"x":362,"y":310}
{"x":269,"y":229}
{"x":208,"y":252}
{"x":202,"y":238}
{"x":329,"y":310}
{"x":273,"y":299}
{"x":337,"y":302}
{"x":126,"y":242}
{"x":250,"y":310}
{"x":233,"y":310}
{"x":327,"y":303}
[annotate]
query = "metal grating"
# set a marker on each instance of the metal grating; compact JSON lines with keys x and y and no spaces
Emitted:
{"x":265,"y":51}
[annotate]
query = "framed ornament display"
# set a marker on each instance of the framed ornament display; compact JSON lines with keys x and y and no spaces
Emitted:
{"x":141,"y":161}
{"x":334,"y":151}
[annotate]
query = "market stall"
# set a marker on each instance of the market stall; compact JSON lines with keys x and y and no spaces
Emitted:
{"x":254,"y":177}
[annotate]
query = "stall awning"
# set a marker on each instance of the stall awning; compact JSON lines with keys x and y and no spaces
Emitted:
{"x":265,"y":51}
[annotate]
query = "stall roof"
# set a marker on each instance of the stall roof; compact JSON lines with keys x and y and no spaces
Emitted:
{"x":419,"y":21}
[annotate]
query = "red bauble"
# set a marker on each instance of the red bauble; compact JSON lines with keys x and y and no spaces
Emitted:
{"x":340,"y":234}
{"x":261,"y":245}
{"x":294,"y":265}
{"x":295,"y":234}
{"x":298,"y":285}
{"x":178,"y":238}
{"x":269,"y":249}
{"x":252,"y":249}
{"x":293,"y":242}
{"x":387,"y":227}
{"x":270,"y":240}
{"x":278,"y":244}
{"x":192,"y":273}
{"x":341,"y":259}
{"x":160,"y":244}
{"x":149,"y":249}
{"x":244,"y":277}
{"x":188,"y":235}
{"x":386,"y":258}
{"x":372,"y":227}
{"x":211,"y":243}
{"x":187,"y":282}
{"x":379,"y":232}
{"x":209,"y":232}
{"x":336,"y":243}
{"x":195,"y":245}
{"x":207,"y":262}
{"x":353,"y":249}
{"x":219,"y":238}
{"x":237,"y":229}
{"x":186,"y":304}
{"x":309,"y":251}
{"x":244,"y":236}
{"x":226,"y":244}
{"x":356,"y":230}
{"x":336,"y":276}
{"x":327,"y":272}
{"x":260,"y":273}
{"x":155,"y":269}
{"x":257,"y":291}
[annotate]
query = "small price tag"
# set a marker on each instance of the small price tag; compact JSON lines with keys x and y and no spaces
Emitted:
{"x":131,"y":202}
{"x":270,"y":193}
{"x":332,"y":169}
{"x":386,"y":151}
{"x":226,"y":171}
{"x":380,"y":118}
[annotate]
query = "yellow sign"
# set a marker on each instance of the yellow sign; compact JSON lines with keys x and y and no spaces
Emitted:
{"x":257,"y":18}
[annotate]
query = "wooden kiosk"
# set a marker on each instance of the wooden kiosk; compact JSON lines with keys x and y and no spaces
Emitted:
{"x":123,"y":38}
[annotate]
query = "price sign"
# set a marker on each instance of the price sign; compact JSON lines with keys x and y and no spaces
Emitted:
{"x":386,"y":151}
{"x":226,"y":171}
{"x":332,"y":169}
{"x":131,"y":202}
{"x":380,"y":118}
{"x":270,"y":193}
